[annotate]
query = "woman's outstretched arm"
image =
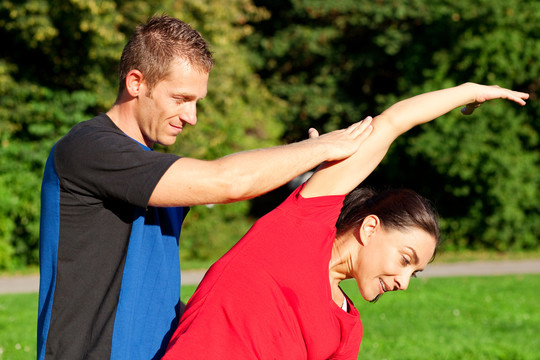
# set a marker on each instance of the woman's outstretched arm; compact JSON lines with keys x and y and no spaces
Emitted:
{"x":341,"y":177}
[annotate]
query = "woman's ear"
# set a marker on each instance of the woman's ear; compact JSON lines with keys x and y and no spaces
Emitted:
{"x":134,"y":83}
{"x":369,"y":228}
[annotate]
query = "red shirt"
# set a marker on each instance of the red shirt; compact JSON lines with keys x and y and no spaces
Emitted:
{"x":269,"y":297}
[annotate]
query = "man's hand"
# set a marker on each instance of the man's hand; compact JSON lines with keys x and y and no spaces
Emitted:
{"x":345,"y":142}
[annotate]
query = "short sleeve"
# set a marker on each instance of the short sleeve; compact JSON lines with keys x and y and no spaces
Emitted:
{"x":323,"y":209}
{"x":98,"y":161}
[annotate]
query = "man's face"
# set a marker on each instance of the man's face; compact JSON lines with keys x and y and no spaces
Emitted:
{"x":390,"y":259}
{"x":171,"y":104}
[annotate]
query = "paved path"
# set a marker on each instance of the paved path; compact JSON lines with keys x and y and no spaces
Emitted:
{"x":30,"y":283}
{"x":481,"y":268}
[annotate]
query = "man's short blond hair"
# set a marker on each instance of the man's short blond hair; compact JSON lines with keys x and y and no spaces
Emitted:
{"x":155,"y":44}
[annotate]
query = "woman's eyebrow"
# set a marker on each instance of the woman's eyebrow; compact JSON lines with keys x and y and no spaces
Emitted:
{"x":415,"y":258}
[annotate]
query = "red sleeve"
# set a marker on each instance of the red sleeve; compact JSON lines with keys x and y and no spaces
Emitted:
{"x":325,"y":209}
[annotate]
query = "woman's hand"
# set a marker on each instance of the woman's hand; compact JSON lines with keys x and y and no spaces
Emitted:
{"x":485,"y":93}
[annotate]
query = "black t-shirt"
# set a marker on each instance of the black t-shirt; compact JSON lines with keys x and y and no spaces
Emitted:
{"x":97,"y":184}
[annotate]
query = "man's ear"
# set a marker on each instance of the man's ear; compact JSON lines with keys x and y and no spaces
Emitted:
{"x":369,"y":228}
{"x":134,"y":83}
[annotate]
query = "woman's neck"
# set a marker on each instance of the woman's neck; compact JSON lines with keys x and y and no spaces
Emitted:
{"x":340,"y":266}
{"x":343,"y":256}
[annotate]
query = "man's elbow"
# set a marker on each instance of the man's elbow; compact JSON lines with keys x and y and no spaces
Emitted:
{"x":241,"y":187}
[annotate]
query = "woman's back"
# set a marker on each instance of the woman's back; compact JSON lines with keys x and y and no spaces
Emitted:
{"x":269,"y":296}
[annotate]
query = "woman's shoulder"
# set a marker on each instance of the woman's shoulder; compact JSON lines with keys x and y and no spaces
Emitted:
{"x":315,"y":209}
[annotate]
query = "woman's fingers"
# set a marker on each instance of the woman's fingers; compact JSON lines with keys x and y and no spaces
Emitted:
{"x":495,"y":92}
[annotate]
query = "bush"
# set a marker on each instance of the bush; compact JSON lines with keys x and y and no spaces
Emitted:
{"x":335,"y":62}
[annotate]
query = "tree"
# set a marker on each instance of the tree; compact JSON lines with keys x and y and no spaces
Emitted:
{"x":58,"y":67}
{"x":335,"y":62}
{"x":55,"y":55}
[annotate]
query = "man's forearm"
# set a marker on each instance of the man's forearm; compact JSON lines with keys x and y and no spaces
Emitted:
{"x":248,"y":174}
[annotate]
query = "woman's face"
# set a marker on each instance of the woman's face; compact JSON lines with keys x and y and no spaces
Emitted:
{"x":389,"y":257}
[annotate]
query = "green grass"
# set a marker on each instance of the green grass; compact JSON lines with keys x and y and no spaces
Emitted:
{"x":18,"y":324}
{"x":461,"y":318}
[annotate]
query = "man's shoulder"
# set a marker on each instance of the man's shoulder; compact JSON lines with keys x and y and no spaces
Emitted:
{"x":92,"y":133}
{"x":99,"y":123}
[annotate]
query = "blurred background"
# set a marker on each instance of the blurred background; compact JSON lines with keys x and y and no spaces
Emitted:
{"x":282,"y":67}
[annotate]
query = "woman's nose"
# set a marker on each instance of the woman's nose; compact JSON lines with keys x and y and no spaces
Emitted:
{"x":402,"y":282}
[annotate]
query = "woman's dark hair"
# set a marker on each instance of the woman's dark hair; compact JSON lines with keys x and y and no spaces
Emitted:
{"x":397,"y":209}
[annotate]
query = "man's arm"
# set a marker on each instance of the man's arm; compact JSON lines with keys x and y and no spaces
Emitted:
{"x":339,"y":178}
{"x":248,"y":174}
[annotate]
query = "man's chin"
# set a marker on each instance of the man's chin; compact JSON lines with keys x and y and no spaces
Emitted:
{"x":166,"y":142}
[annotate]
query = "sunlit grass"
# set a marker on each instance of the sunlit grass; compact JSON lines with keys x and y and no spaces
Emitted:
{"x":18,"y":326}
{"x":454,"y":318}
{"x":461,"y":318}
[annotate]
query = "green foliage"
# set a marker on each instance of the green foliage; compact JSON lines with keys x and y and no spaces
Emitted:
{"x":58,"y":67}
{"x":326,"y":64}
{"x":31,"y":120}
{"x":335,"y":62}
{"x":209,"y":231}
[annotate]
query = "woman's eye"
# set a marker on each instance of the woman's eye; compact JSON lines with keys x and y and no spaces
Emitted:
{"x":414,"y":274}
{"x":405,"y":260}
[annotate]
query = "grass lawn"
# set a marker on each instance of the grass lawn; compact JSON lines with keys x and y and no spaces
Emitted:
{"x":480,"y":318}
{"x":461,"y":318}
{"x":18,"y":324}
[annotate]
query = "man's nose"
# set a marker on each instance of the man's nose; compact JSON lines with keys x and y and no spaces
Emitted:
{"x":189,"y":113}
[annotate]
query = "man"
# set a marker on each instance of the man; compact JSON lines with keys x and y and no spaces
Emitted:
{"x":112,"y":208}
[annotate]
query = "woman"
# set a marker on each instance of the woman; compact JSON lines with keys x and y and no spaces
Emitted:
{"x":276,"y":294}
